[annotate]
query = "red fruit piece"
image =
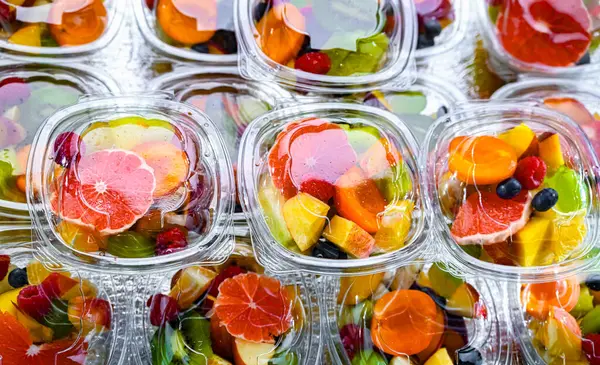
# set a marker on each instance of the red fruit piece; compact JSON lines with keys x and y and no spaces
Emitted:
{"x":352,"y":338}
{"x":591,"y":348}
{"x":68,"y":147}
{"x":163,"y":309}
{"x":10,"y":80}
{"x":4,"y":264}
{"x":530,"y":172}
{"x":320,"y":189}
{"x":314,"y":62}
{"x":170,"y":241}
{"x":34,"y":302}
{"x":549,"y":32}
{"x":56,"y":285}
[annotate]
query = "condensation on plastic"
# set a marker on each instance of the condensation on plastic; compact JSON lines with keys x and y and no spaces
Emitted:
{"x":87,"y":79}
{"x":397,"y":72}
{"x":212,"y":247}
{"x":490,"y":117}
{"x":488,"y":334}
{"x":115,"y":13}
{"x":256,"y":144}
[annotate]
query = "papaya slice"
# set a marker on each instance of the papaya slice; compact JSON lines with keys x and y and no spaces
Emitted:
{"x":77,"y":22}
{"x":280,"y":33}
{"x":188,"y":21}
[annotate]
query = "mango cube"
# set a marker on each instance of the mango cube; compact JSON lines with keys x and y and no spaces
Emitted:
{"x":531,"y":243}
{"x":349,"y":237}
{"x":305,"y":217}
{"x":395,"y":226}
{"x":519,"y":137}
{"x":551,"y":152}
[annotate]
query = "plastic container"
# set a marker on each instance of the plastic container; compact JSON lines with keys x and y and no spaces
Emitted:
{"x":556,"y":322}
{"x":517,"y":229}
{"x":59,"y":28}
{"x":576,"y":36}
{"x":442,"y":25}
{"x":190,"y":305}
{"x":231,"y":103}
{"x":51,"y":315}
{"x":30,"y":93}
{"x":417,"y":314}
{"x":86,"y":210}
{"x":335,"y":154}
{"x":201,"y":32}
{"x":356,"y":50}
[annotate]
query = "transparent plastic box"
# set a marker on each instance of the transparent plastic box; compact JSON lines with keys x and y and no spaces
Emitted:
{"x":52,"y":315}
{"x":197,"y":306}
{"x":495,"y":176}
{"x":199,"y":31}
{"x":416,"y":314}
{"x":336,"y":46}
{"x":331,"y":188}
{"x":30,"y":93}
{"x":58,"y":28}
{"x":131,"y":183}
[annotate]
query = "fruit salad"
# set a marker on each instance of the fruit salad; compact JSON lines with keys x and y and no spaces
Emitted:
{"x":434,"y":16}
{"x":561,"y":320}
{"x":53,"y":23}
{"x":190,"y":29}
{"x":231,"y":314}
{"x":51,"y":317}
{"x":412,"y":316}
{"x":543,"y":35}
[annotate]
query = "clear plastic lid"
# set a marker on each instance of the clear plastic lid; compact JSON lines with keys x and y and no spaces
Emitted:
{"x":58,"y":28}
{"x":131,"y":182}
{"x":415,"y":315}
{"x":327,"y":45}
{"x":232,"y":313}
{"x":442,"y":25}
{"x":511,"y":188}
{"x":51,"y":316}
{"x":557,"y":322}
{"x":196,"y":30}
{"x":30,"y":93}
{"x":331,"y":188}
{"x":230,"y":102}
{"x":550,"y":37}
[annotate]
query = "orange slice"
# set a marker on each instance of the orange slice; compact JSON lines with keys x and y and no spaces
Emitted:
{"x":188,"y":21}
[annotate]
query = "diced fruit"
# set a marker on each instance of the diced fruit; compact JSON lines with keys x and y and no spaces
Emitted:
{"x":531,"y":243}
{"x":5,"y":283}
{"x":272,"y":201}
{"x":395,"y":226}
{"x":320,"y":189}
{"x":352,"y":337}
{"x":252,"y":353}
{"x":73,"y":25}
{"x":163,"y":309}
{"x":591,"y":348}
{"x":81,"y":238}
{"x":451,"y":193}
{"x":395,"y":184}
{"x":191,"y":283}
{"x":355,"y":289}
{"x":34,"y":302}
{"x":37,"y":273}
{"x":358,"y":199}
{"x":7,"y":299}
{"x":359,"y":314}
{"x":221,"y":340}
{"x":56,"y":285}
{"x":537,"y":299}
{"x":130,"y":245}
{"x":29,"y":35}
{"x":462,"y":302}
{"x":187,"y":22}
{"x":520,"y":138}
{"x":531,"y":172}
{"x":585,"y":303}
{"x":551,"y":152}
{"x":349,"y":237}
{"x":443,"y":282}
{"x":305,"y":217}
{"x":217,"y":360}
{"x":314,"y":62}
{"x":196,"y":331}
{"x":561,"y":335}
{"x":401,"y":360}
{"x":280,"y":32}
{"x":509,"y":188}
{"x":88,"y":314}
{"x":37,"y":331}
{"x":58,"y":320}
{"x":441,"y":357}
{"x":170,"y":165}
{"x":570,"y":188}
{"x":68,"y":147}
{"x":379,"y":158}
{"x":591,"y":322}
{"x":171,"y":240}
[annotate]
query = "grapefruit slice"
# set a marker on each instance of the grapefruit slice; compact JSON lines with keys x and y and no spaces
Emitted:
{"x":254,"y":307}
{"x":572,"y":108}
{"x":548,"y":32}
{"x":485,"y":218}
{"x":108,"y":191}
{"x":170,"y":165}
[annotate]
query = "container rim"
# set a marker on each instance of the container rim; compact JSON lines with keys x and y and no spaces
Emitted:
{"x":458,"y":32}
{"x":510,"y":91}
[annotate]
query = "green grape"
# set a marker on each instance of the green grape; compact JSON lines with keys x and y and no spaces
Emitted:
{"x":130,"y":245}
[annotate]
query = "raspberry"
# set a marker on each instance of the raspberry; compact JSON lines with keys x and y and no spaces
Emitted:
{"x":352,"y":339}
{"x":530,"y":172}
{"x":163,"y":309}
{"x":591,"y":348}
{"x":170,"y":241}
{"x":33,"y":302}
{"x":4,"y":264}
{"x":68,"y":147}
{"x":56,"y":285}
{"x":320,"y":189}
{"x":314,"y":62}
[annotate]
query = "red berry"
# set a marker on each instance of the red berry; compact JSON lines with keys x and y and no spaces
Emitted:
{"x":320,"y":189}
{"x":33,"y":302}
{"x":163,"y":309}
{"x":170,"y":241}
{"x":4,"y":264}
{"x":591,"y":348}
{"x":68,"y":147}
{"x":352,"y":338}
{"x":314,"y":62}
{"x":530,"y":172}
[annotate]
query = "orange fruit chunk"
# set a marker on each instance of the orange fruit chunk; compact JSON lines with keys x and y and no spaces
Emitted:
{"x":170,"y":164}
{"x":254,"y":307}
{"x":188,"y":21}
{"x":77,"y":22}
{"x":405,"y":322}
{"x":539,"y":298}
{"x":280,"y":33}
{"x":483,"y":160}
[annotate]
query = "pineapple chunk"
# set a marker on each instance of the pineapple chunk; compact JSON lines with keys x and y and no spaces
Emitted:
{"x":349,"y":237}
{"x":531,"y":243}
{"x":519,"y":137}
{"x":551,"y":152}
{"x":395,"y":226}
{"x":305,"y":217}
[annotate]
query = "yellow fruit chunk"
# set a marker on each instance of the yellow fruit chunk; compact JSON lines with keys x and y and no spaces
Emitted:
{"x":81,"y":238}
{"x":567,"y":234}
{"x":252,"y":353}
{"x":395,"y":225}
{"x":441,"y":357}
{"x":84,"y":288}
{"x":7,"y":299}
{"x":38,"y":332}
{"x":551,"y":152}
{"x":349,"y":237}
{"x":37,"y":272}
{"x":305,"y":216}
{"x":355,"y":289}
{"x":190,"y":284}
{"x":531,"y":243}
{"x":29,"y":35}
{"x":560,"y":334}
{"x":462,"y":302}
{"x":519,"y":137}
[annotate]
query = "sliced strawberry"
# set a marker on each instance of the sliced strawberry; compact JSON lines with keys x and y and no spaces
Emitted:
{"x":4,"y":265}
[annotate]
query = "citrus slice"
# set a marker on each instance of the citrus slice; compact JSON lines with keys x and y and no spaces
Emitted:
{"x":280,"y":33}
{"x":537,"y":299}
{"x":188,"y":21}
{"x":485,"y":218}
{"x":170,"y":165}
{"x":108,"y":190}
{"x":254,"y":307}
{"x":77,"y":22}
{"x":548,"y":32}
{"x":572,"y":108}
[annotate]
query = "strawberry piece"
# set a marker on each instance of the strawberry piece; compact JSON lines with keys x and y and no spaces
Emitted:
{"x":590,"y":345}
{"x":320,"y":189}
{"x":4,"y":265}
{"x":171,"y":241}
{"x":314,"y":62}
{"x":34,"y":302}
{"x":530,"y":172}
{"x":56,"y":285}
{"x":163,"y":309}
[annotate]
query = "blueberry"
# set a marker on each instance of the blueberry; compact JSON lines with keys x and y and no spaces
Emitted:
{"x":259,"y":11}
{"x":201,"y":48}
{"x":18,"y":278}
{"x":469,"y":356}
{"x":443,"y":110}
{"x":508,"y":188}
{"x":327,"y":250}
{"x":544,"y":200}
{"x":424,"y":41}
{"x":439,"y":300}
{"x":586,"y":59}
{"x":433,"y":28}
{"x":225,"y":40}
{"x":593,"y":282}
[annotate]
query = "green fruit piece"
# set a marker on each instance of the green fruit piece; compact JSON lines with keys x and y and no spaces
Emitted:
{"x":368,"y":357}
{"x":196,"y":330}
{"x":572,"y":192}
{"x":9,"y":155}
{"x":178,"y":346}
{"x":360,"y":314}
{"x":58,"y":320}
{"x":362,"y":138}
{"x":375,"y":46}
{"x":337,"y":57}
{"x":442,"y":282}
{"x":48,"y":41}
{"x":8,"y":188}
{"x":395,"y":184}
{"x":473,"y":250}
{"x":591,"y":322}
{"x":357,"y":64}
{"x":251,"y":108}
{"x":130,"y":245}
{"x":406,"y":102}
{"x":272,"y":201}
{"x":161,"y":347}
{"x":585,"y":303}
{"x":284,"y":358}
{"x":493,"y":12}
